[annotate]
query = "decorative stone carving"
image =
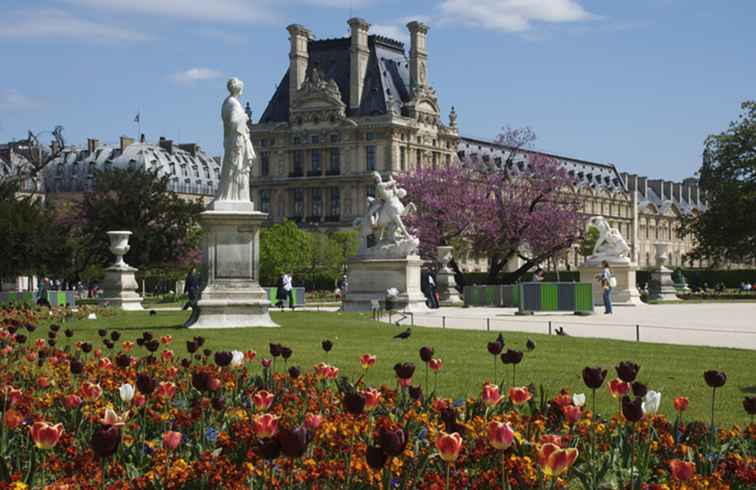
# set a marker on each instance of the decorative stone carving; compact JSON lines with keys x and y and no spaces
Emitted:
{"x":120,"y":285}
{"x":447,"y":291}
{"x":662,"y":286}
{"x":453,"y":118}
{"x":610,"y":245}
{"x":382,"y":231}
{"x":317,"y":100}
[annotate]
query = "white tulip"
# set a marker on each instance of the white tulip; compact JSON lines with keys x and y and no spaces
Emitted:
{"x":127,"y":392}
{"x":237,"y":359}
{"x":651,"y":402}
{"x":578,"y":399}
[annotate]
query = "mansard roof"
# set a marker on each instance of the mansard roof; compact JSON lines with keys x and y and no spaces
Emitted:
{"x":386,"y":83}
{"x":587,"y":174}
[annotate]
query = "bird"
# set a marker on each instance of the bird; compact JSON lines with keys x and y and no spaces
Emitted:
{"x":530,"y":344}
{"x":500,"y":339}
{"x":561,"y":332}
{"x":403,"y":335}
{"x":153,"y":312}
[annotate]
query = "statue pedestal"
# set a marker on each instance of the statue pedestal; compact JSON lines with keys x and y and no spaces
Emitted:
{"x":119,"y":289}
{"x":447,"y":289}
{"x":232,"y":297}
{"x":662,"y":287}
{"x":369,"y":278}
{"x":625,"y":294}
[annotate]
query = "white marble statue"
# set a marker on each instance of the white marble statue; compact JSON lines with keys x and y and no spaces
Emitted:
{"x":610,"y":244}
{"x":383,"y":221}
{"x":238,"y":153}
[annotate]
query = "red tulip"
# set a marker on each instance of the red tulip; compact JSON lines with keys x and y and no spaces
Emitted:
{"x":265,"y":425}
{"x":519,"y":395}
{"x":367,"y":361}
{"x":551,"y":439}
{"x":166,"y":389}
{"x":491,"y":395}
{"x":213,"y":384}
{"x":171,"y":440}
{"x":167,"y":355}
{"x":682,"y":470}
{"x":618,"y":388}
{"x":572,"y":413}
{"x":105,"y":363}
{"x":45,"y":435}
{"x":262,"y":400}
{"x":250,"y":355}
{"x":449,"y":446}
{"x":138,"y":400}
{"x":72,"y":402}
{"x":90,"y":391}
{"x":12,"y":419}
{"x":555,"y":461}
{"x":681,"y":403}
{"x":436,"y":365}
{"x":13,"y":395}
{"x":266,"y":363}
{"x":500,"y":435}
{"x":372,"y":399}
{"x":313,"y":421}
{"x":563,"y":399}
{"x":166,"y":339}
{"x":43,"y":382}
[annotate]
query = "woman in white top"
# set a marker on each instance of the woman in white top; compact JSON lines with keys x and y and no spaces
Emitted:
{"x":605,"y":279}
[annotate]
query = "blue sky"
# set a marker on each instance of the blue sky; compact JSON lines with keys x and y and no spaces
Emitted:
{"x":639,"y":84}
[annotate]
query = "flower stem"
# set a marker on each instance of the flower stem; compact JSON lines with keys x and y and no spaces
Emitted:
{"x":448,"y":465}
{"x":713,"y":396}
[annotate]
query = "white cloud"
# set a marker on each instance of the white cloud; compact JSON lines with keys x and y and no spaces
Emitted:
{"x":237,"y":11}
{"x":512,"y":15}
{"x":50,"y":23}
{"x":196,"y":74}
{"x":13,"y":99}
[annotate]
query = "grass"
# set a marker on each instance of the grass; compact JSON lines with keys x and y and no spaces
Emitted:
{"x":556,"y":363}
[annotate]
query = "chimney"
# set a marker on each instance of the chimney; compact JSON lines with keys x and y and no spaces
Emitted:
{"x":92,"y":145}
{"x":141,"y":138}
{"x":418,"y":54}
{"x":190,"y":148}
{"x":125,"y":142}
{"x":359,"y":60}
{"x":298,"y":57}
{"x":166,"y":144}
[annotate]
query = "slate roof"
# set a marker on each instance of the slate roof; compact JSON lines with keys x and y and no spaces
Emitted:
{"x":587,"y":174}
{"x":387,"y":75}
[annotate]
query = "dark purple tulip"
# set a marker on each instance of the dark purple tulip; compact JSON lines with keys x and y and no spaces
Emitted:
{"x":531,"y":345}
{"x":147,"y":336}
{"x":123,"y":361}
{"x":715,"y":379}
{"x":749,"y":404}
{"x":639,"y":389}
{"x":51,"y":335}
{"x":191,"y":346}
{"x":404,"y":370}
{"x":140,"y":342}
{"x":145,"y":383}
{"x":426,"y":354}
{"x":354,"y":403}
{"x":415,"y":392}
{"x":54,"y":327}
{"x":285,"y":352}
{"x":31,"y":327}
{"x":223,"y":358}
{"x":51,"y":342}
{"x":186,"y":363}
{"x":102,"y":332}
{"x":632,"y":409}
{"x":594,"y":377}
{"x":200,"y":380}
{"x":294,"y":372}
{"x":327,"y":345}
{"x":76,"y":366}
{"x":199,"y":340}
{"x":293,"y":442}
{"x":270,"y":449}
{"x":393,"y":441}
{"x":12,"y":330}
{"x":275,"y":350}
{"x":20,"y":338}
{"x":68,"y":333}
{"x":41,"y":360}
{"x":115,"y":335}
{"x":375,"y":457}
{"x":495,"y":348}
{"x":86,"y":347}
{"x":150,"y":359}
{"x":218,"y":403}
{"x":109,"y":344}
{"x":207,"y":352}
{"x":105,"y":441}
{"x":511,"y":357}
{"x":152,"y":345}
{"x":627,"y":371}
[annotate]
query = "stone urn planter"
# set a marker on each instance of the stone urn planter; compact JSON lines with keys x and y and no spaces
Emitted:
{"x":447,"y":291}
{"x":662,"y":287}
{"x":119,"y":246}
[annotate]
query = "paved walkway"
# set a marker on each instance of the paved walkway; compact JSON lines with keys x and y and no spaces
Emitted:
{"x":712,"y":324}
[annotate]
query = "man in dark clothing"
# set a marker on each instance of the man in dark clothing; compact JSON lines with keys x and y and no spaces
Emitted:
{"x":44,"y":287}
{"x":192,"y":288}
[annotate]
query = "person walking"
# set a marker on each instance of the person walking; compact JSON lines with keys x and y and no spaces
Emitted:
{"x":607,"y":282}
{"x":44,"y":288}
{"x":192,"y":288}
{"x":289,"y":288}
{"x":281,"y":291}
{"x":432,"y":289}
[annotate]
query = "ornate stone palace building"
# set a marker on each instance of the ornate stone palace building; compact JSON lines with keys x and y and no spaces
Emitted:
{"x":348,"y":107}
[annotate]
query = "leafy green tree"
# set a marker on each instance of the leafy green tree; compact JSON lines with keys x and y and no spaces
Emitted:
{"x":589,"y":241}
{"x":165,"y":228}
{"x":283,"y":248}
{"x":726,"y":230}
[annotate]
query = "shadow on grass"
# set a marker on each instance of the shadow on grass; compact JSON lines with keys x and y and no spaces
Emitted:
{"x":748,"y":389}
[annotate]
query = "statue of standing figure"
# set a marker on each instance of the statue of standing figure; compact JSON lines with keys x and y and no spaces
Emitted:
{"x":383,"y":221}
{"x":238,"y":153}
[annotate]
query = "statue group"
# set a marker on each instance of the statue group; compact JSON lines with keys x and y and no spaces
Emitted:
{"x":610,"y":245}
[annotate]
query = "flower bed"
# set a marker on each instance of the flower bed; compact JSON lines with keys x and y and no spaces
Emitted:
{"x":151,"y":414}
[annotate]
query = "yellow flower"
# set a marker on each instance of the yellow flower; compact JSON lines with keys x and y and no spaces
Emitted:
{"x":19,"y":486}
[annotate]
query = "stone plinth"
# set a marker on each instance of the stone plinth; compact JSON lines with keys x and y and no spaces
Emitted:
{"x":447,"y":285}
{"x":625,"y":294}
{"x":662,"y":287}
{"x":369,"y":278}
{"x":119,"y":289}
{"x":232,"y":297}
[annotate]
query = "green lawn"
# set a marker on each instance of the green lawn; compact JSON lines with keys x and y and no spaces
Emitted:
{"x":557,"y":362}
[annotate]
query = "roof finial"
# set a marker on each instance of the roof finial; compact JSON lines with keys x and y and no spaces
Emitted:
{"x":453,"y":118}
{"x":248,"y":110}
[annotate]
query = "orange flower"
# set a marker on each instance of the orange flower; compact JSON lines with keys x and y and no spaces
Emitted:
{"x":90,"y":391}
{"x":12,"y":419}
{"x":519,"y":395}
{"x":618,"y":388}
{"x":449,"y":446}
{"x":500,"y":435}
{"x":127,"y":345}
{"x":166,"y":389}
{"x":171,"y":439}
{"x":491,"y":395}
{"x":563,"y":399}
{"x":572,"y":413}
{"x":681,"y":403}
{"x":166,"y":339}
{"x":113,"y":419}
{"x":372,"y":399}
{"x":555,"y":461}
{"x":436,"y":365}
{"x":265,"y":425}
{"x":43,"y":382}
{"x":367,"y":361}
{"x":439,"y":404}
{"x":250,"y":355}
{"x":262,"y":400}
{"x":682,"y":470}
{"x":45,"y":435}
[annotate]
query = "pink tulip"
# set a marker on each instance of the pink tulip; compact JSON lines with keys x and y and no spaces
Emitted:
{"x":262,"y":400}
{"x":171,"y":440}
{"x":265,"y":425}
{"x":266,"y":363}
{"x":519,"y":395}
{"x":90,"y":391}
{"x":72,"y":402}
{"x":113,"y":419}
{"x":500,"y":435}
{"x":572,"y":413}
{"x":166,"y":389}
{"x":449,"y":446}
{"x":372,"y":399}
{"x":491,"y":395}
{"x":367,"y":361}
{"x":214,"y":384}
{"x":105,"y":363}
{"x":46,"y":436}
{"x":167,"y":355}
{"x":436,"y":365}
{"x":313,"y":421}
